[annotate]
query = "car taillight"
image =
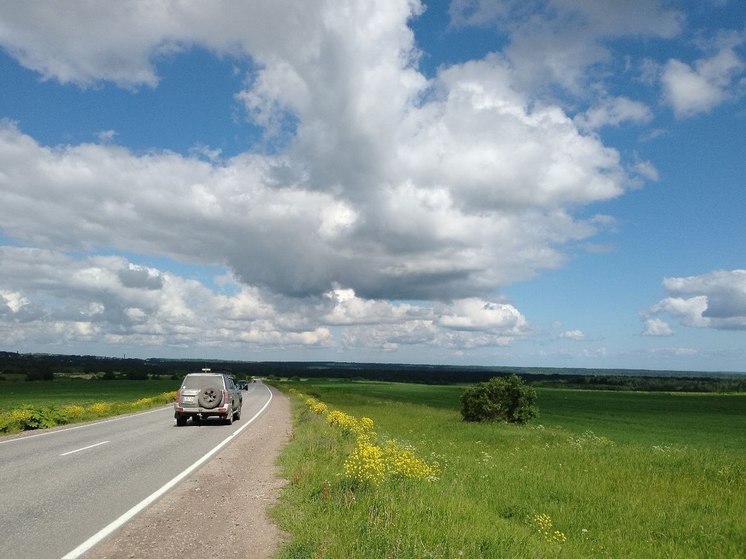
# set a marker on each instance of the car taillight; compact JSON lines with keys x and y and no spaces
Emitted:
{"x":178,"y":396}
{"x":226,"y":397}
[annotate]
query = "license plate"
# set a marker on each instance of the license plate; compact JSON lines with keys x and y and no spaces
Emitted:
{"x":187,"y":399}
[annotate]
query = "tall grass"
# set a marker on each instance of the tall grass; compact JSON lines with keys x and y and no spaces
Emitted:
{"x":569,"y":485}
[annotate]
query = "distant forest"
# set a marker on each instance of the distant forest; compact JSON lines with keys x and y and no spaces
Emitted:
{"x":41,"y":366}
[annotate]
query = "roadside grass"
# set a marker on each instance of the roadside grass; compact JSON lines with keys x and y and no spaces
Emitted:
{"x":572,"y":484}
{"x":38,"y":405}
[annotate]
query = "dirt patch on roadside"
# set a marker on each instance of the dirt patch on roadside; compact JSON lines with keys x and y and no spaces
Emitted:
{"x":244,"y":469}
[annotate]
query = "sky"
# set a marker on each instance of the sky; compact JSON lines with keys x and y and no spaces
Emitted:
{"x":542,"y":183}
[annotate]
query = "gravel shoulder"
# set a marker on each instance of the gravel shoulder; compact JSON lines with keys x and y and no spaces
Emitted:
{"x":180,"y":525}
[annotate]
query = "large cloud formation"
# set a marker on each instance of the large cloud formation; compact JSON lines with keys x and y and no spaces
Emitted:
{"x":387,"y":185}
{"x":109,"y":298}
{"x":391,"y":185}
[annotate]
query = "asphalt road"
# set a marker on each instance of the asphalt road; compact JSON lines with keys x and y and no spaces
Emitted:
{"x":60,"y":488}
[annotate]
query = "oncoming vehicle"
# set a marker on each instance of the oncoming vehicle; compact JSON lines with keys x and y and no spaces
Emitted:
{"x":207,"y":394}
{"x":242,"y":385}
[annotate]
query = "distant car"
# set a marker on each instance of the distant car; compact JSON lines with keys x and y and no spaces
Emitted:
{"x":207,"y":394}
{"x":242,"y":384}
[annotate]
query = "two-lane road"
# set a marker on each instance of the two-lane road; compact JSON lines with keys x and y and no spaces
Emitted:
{"x":60,"y":488}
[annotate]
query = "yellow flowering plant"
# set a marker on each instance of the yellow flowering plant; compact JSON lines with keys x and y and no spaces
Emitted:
{"x":544,"y":525}
{"x":371,"y":462}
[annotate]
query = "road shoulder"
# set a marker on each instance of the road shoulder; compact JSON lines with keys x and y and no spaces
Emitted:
{"x":194,"y":519}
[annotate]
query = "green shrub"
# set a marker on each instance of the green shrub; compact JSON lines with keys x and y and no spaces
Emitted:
{"x":499,"y":399}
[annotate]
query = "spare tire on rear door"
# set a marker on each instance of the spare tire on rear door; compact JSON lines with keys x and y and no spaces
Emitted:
{"x":210,"y":397}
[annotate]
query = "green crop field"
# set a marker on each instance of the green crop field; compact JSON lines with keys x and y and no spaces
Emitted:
{"x":598,"y":474}
{"x":78,"y":392}
{"x":42,"y":404}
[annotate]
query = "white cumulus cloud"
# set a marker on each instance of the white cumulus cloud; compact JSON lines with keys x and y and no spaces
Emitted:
{"x":656,"y":327}
{"x":714,"y":300}
{"x":613,"y":112}
{"x":701,"y":86}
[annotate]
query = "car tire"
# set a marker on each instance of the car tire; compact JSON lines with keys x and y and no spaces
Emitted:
{"x":237,"y":415}
{"x":229,"y":418}
{"x":181,"y":420}
{"x":210,"y":397}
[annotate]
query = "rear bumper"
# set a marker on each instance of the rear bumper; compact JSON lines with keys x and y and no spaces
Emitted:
{"x":204,"y":412}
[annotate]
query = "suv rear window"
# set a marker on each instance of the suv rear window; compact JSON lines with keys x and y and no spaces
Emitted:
{"x":198,"y":382}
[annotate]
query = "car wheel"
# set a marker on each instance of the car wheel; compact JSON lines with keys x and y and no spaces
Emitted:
{"x":237,"y":415}
{"x":210,"y":397}
{"x":181,"y":420}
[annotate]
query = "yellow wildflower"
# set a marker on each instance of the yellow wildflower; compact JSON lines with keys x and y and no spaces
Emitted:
{"x":99,"y":408}
{"x":544,"y":525}
{"x":365,"y":464}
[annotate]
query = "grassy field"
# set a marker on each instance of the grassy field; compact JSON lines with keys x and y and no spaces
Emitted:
{"x":78,"y":392}
{"x":599,"y":474}
{"x":42,"y":404}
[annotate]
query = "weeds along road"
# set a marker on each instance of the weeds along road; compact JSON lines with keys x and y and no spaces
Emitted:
{"x":63,"y":489}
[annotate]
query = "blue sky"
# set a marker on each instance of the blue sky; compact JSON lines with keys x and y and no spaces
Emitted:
{"x":551,"y":183}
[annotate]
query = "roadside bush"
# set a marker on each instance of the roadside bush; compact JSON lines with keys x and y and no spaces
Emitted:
{"x":499,"y":399}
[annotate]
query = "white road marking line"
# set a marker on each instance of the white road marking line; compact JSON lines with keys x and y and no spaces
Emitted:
{"x":130,"y":514}
{"x":84,"y":448}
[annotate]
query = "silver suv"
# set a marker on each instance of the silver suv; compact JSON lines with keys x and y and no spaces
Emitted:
{"x":207,"y":394}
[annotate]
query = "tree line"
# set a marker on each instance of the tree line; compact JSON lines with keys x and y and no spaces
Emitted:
{"x":43,"y":366}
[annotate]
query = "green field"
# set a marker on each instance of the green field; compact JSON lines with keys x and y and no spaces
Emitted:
{"x":616,"y":474}
{"x":79,"y":392}
{"x":637,"y":417}
{"x":42,"y":404}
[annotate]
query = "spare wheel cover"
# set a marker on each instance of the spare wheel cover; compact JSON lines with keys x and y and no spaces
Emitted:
{"x":210,"y":397}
